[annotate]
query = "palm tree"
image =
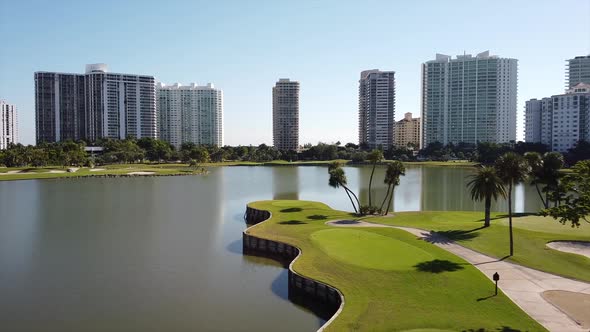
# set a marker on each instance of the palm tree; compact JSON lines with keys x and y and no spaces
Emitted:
{"x":338,"y":179}
{"x":535,"y":163}
{"x":374,"y":157}
{"x":485,"y":185}
{"x":392,"y":174}
{"x":512,"y":168}
{"x":552,"y":164}
{"x":545,"y":170}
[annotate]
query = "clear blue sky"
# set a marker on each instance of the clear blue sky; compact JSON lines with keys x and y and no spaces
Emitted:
{"x":243,"y":47}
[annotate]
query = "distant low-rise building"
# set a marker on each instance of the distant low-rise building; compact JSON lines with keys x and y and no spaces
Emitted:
{"x":407,"y":132}
{"x":561,"y":120}
{"x":8,"y":124}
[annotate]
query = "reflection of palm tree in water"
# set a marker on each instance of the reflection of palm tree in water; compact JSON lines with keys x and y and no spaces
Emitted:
{"x":285,"y":182}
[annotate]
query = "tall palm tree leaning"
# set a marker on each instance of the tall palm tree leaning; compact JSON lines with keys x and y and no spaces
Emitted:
{"x":338,"y":179}
{"x":392,"y":175}
{"x":512,"y":168}
{"x":485,"y":185}
{"x":374,"y":157}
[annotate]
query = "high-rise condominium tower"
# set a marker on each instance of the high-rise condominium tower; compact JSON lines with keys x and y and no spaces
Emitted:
{"x":469,"y":99}
{"x":285,"y":115}
{"x":94,"y":105}
{"x":377,"y":108}
{"x":561,"y":120}
{"x":190,"y":114}
{"x":8,"y":124}
{"x":407,"y":132}
{"x":578,"y":71}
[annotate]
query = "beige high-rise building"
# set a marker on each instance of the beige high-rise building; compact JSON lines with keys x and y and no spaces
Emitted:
{"x":407,"y":131}
{"x":285,"y":115}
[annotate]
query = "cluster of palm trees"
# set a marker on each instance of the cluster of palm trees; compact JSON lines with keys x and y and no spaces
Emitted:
{"x":492,"y":182}
{"x":487,"y":184}
{"x":394,"y":170}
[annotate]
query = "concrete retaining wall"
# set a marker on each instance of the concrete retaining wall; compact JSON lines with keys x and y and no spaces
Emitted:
{"x":299,"y":285}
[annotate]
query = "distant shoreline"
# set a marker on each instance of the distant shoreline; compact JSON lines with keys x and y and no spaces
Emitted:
{"x":148,"y":170}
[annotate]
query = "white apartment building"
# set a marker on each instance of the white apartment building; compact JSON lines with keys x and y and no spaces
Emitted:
{"x":8,"y":124}
{"x":578,"y":71}
{"x":190,"y":114}
{"x":538,"y":121}
{"x":560,"y":121}
{"x":97,"y":104}
{"x":469,"y":99}
{"x":377,"y":108}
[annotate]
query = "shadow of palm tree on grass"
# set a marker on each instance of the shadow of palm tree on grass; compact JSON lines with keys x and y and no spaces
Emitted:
{"x":318,"y":217}
{"x":292,"y":222}
{"x":499,"y":329}
{"x":438,"y":266}
{"x":292,"y":210}
{"x":451,"y":235}
{"x":514,"y":215}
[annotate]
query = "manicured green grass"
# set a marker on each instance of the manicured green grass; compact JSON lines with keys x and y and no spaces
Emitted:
{"x":28,"y":173}
{"x":122,"y":169}
{"x":531,"y":234}
{"x":391,"y":281}
{"x":367,"y":249}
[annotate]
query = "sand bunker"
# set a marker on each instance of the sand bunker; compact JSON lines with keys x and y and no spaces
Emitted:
{"x":575,"y":305}
{"x":56,"y":171}
{"x":142,"y":173}
{"x":11,"y":172}
{"x":573,"y":247}
{"x":353,"y":223}
{"x":97,"y":169}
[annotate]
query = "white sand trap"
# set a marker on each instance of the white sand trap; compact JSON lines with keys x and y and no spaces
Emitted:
{"x":56,"y":171}
{"x":353,"y":223}
{"x":142,"y":173}
{"x":573,"y":247}
{"x":11,"y":172}
{"x":97,"y":169}
{"x":575,"y":305}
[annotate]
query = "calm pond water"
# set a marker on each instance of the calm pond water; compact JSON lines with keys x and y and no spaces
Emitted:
{"x":164,"y":253}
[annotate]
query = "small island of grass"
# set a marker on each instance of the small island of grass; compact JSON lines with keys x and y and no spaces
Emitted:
{"x":391,"y":281}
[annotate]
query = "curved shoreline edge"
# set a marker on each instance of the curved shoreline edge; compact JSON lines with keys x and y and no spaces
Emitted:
{"x":298,"y":284}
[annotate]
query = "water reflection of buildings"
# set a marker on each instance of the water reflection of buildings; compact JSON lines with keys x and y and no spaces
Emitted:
{"x":285,"y":182}
{"x":445,"y":189}
{"x":426,"y":188}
